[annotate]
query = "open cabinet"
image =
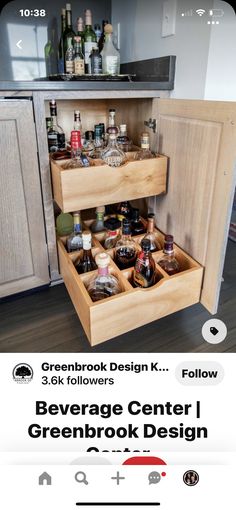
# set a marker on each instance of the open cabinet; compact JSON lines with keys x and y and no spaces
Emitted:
{"x":190,"y":189}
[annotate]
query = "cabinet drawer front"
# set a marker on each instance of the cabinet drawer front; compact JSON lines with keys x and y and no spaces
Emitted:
{"x":133,"y":307}
{"x":84,"y":188}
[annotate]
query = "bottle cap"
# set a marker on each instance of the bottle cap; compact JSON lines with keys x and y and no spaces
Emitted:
{"x":168,"y":243}
{"x":151,"y":216}
{"x":80,"y":23}
{"x":112,"y":224}
{"x":145,"y":244}
{"x":112,"y":110}
{"x":88,"y":17}
{"x":87,"y":240}
{"x":63,"y":12}
{"x":108,"y":29}
{"x":135,"y":213}
{"x":100,"y":209}
{"x":76,"y":213}
{"x":102,"y":259}
{"x":76,"y":114}
{"x":68,"y":7}
{"x":123,"y":127}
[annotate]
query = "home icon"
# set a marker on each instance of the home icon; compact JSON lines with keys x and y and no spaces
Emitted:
{"x":45,"y":479}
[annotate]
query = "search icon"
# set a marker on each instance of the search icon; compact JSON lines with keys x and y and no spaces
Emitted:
{"x":80,"y":477}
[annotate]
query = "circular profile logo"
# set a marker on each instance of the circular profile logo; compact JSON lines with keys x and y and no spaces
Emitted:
{"x":23,"y":373}
{"x":191,"y":478}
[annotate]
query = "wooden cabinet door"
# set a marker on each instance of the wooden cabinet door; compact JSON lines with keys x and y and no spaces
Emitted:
{"x":23,"y":249}
{"x":199,"y":137}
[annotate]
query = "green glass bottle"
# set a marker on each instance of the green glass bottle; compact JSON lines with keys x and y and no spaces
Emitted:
{"x":69,"y":34}
{"x":90,"y":40}
{"x":61,"y":69}
{"x":80,"y":29}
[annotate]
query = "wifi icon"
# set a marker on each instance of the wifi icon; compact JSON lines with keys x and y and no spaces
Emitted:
{"x":200,"y":12}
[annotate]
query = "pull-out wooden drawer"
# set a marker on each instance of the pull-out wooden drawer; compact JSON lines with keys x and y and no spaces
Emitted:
{"x":134,"y":307}
{"x":83,"y":188}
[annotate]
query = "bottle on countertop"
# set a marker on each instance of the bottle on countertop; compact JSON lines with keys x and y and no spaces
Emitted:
{"x":113,"y":232}
{"x":145,"y":152}
{"x":79,"y":66}
{"x":144,"y":269}
{"x":95,"y":64}
{"x":112,"y":154}
{"x":98,"y":142}
{"x":123,"y":140}
{"x":168,"y":262}
{"x":151,"y":234}
{"x":103,"y":285}
{"x":88,"y":147}
{"x":98,"y":224}
{"x":61,"y":62}
{"x":124,"y":211}
{"x":56,"y":135}
{"x":86,"y":262}
{"x":102,"y":37}
{"x":74,"y":241}
{"x":110,"y":55}
{"x":125,"y":249}
{"x":137,"y":225}
{"x":90,"y":40}
{"x":68,"y":35}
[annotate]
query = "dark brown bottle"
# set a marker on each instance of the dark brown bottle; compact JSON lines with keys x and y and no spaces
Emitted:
{"x":168,"y":262}
{"x":126,"y":249}
{"x":102,"y":38}
{"x":124,"y":211}
{"x":144,"y":270}
{"x":137,"y":226}
{"x":87,"y":262}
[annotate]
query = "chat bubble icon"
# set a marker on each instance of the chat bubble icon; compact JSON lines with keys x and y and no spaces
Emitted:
{"x":154,"y":477}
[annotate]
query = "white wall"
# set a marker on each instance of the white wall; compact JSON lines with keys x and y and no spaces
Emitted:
{"x":141,"y":22}
{"x":221,"y":69}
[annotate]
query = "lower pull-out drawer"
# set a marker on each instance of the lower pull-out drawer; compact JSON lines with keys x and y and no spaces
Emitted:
{"x":133,"y":307}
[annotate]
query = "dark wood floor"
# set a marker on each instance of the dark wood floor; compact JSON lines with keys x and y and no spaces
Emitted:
{"x":46,"y":322}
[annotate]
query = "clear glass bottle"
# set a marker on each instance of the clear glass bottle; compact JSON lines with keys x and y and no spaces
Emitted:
{"x":168,"y":262}
{"x":61,"y":68}
{"x":74,"y":241}
{"x":144,"y":269}
{"x":90,"y":40}
{"x":124,"y":211}
{"x":79,"y":67}
{"x":88,"y":146}
{"x":113,"y":155}
{"x":102,"y":38}
{"x":98,"y":142}
{"x":56,"y":135}
{"x":123,"y":140}
{"x":125,"y":249}
{"x":151,"y":234}
{"x":95,"y":62}
{"x":145,"y":152}
{"x":98,"y":224}
{"x":86,"y":262}
{"x":75,"y":143}
{"x":112,"y":226}
{"x":69,"y":34}
{"x":137,"y":225}
{"x":104,"y":285}
{"x":110,"y":55}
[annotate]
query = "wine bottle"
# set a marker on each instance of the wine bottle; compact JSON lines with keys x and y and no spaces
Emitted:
{"x":168,"y":262}
{"x":79,"y":68}
{"x":69,"y":34}
{"x":90,"y":40}
{"x":110,"y":55}
{"x":144,"y":269}
{"x":56,"y":135}
{"x":61,"y":68}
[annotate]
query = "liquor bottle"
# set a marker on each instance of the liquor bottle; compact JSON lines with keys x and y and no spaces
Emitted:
{"x":113,"y":155}
{"x":76,"y":148}
{"x":61,"y":68}
{"x":79,"y":67}
{"x":103,"y":285}
{"x":168,"y":262}
{"x":56,"y":135}
{"x":123,"y":140}
{"x":98,"y":32}
{"x":69,"y":60}
{"x":95,"y":62}
{"x":102,"y":38}
{"x":90,"y":39}
{"x":49,"y":54}
{"x":98,"y":224}
{"x":144,"y":269}
{"x":102,"y":126}
{"x":110,"y":55}
{"x":98,"y":142}
{"x":80,"y":29}
{"x":137,"y":225}
{"x":77,"y":122}
{"x":87,"y":262}
{"x":125,"y":249}
{"x":145,"y":152}
{"x":88,"y":147}
{"x":69,"y":34}
{"x":151,"y":234}
{"x":124,"y":211}
{"x":113,"y":232}
{"x":48,"y":127}
{"x":74,"y":241}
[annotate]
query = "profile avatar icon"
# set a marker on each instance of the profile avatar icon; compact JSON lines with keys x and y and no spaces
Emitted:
{"x":191,"y":478}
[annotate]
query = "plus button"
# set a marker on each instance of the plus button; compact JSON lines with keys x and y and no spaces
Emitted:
{"x":117,"y":478}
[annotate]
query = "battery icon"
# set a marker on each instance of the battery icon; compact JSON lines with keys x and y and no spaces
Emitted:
{"x":217,"y":13}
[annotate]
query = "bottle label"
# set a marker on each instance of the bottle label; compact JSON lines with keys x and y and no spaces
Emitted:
{"x":88,"y":46}
{"x":69,"y":66}
{"x":53,"y":142}
{"x":112,"y":64}
{"x":145,"y":145}
{"x":141,"y":281}
{"x":96,"y":65}
{"x":79,"y":67}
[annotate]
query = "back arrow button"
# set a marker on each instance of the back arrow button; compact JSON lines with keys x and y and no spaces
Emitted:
{"x":18,"y":44}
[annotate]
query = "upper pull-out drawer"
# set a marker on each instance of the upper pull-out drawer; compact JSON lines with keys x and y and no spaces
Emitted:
{"x":83,"y":188}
